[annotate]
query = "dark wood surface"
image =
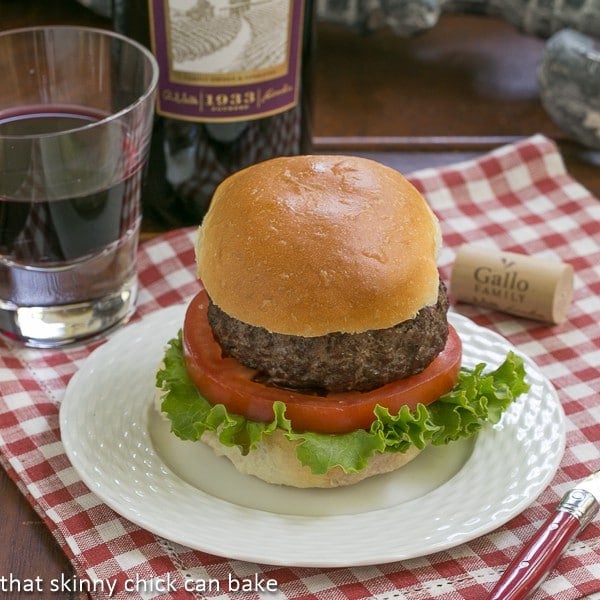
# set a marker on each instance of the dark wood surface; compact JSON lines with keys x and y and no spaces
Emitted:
{"x":464,"y":87}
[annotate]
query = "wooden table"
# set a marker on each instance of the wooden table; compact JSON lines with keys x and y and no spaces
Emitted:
{"x":464,"y":87}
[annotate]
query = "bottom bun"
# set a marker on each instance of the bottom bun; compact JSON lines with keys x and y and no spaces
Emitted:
{"x":274,"y":461}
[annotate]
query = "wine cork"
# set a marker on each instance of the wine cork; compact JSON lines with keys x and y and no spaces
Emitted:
{"x":518,"y":284}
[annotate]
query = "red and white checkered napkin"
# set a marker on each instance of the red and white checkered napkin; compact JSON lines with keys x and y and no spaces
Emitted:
{"x":520,"y":198}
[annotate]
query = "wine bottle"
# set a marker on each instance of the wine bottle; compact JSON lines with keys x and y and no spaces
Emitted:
{"x":234,"y":90}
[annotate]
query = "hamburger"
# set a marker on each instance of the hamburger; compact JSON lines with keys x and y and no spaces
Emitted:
{"x":318,"y":350}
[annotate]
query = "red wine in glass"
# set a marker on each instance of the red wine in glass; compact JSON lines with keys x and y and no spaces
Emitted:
{"x":65,"y":238}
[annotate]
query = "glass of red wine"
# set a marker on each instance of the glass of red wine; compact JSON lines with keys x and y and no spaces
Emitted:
{"x":76,"y":112}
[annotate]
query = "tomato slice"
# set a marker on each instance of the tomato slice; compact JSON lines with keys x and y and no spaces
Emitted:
{"x":223,"y":380}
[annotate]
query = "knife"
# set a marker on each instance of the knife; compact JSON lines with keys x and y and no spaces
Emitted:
{"x":530,"y":567}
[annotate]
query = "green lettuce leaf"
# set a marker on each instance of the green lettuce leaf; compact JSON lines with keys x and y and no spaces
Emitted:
{"x":477,"y":399}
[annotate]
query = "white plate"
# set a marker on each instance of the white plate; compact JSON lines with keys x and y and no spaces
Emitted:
{"x":122,"y":450}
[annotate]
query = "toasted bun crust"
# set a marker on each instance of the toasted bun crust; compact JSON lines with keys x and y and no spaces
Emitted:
{"x":309,"y":245}
{"x":275,"y":461}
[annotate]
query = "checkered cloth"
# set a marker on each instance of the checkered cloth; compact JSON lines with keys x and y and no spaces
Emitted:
{"x":520,"y":198}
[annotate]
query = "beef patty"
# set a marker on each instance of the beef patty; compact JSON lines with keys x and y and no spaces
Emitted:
{"x":336,"y":361}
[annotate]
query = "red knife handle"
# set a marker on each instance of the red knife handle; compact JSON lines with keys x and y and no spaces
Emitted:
{"x":530,"y":567}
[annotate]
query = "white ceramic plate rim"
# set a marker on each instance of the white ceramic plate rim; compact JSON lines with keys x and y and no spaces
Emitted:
{"x":105,"y":431}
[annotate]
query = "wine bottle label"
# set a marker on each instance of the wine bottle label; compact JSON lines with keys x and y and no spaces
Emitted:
{"x":226,"y":60}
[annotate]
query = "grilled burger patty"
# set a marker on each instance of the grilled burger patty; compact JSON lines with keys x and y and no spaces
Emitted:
{"x":337,"y":361}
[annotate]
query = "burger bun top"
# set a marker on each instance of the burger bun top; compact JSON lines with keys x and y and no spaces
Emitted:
{"x":309,"y":245}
